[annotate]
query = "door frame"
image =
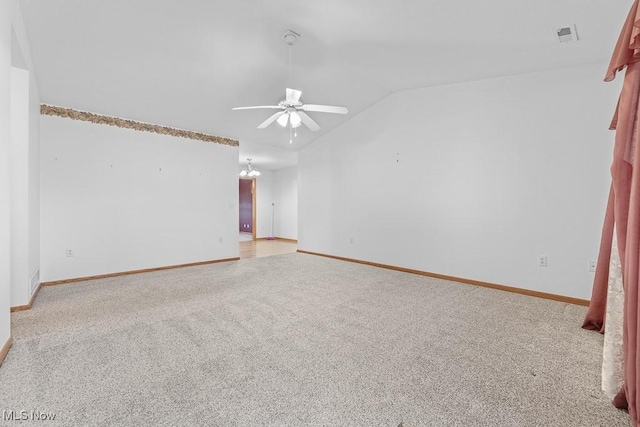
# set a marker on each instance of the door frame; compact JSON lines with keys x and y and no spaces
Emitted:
{"x":253,"y":205}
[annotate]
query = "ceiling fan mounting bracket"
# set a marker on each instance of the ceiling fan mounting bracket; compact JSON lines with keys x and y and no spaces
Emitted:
{"x":291,"y":37}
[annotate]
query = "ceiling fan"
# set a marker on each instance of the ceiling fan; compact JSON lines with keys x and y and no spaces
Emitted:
{"x":293,"y":111}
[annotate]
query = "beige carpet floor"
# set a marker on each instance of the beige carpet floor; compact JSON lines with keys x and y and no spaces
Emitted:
{"x":301,"y":340}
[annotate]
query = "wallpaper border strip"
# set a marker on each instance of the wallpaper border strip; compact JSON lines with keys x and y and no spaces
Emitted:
{"x":50,"y":110}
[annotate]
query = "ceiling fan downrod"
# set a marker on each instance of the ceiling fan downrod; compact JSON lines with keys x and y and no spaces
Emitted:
{"x":291,"y":37}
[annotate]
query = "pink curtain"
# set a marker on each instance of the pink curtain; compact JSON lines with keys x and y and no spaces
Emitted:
{"x":623,"y":211}
{"x":598,"y":305}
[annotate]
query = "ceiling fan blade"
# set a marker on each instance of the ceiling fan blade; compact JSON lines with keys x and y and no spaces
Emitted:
{"x":271,"y":119}
{"x":256,"y":107}
{"x":308,"y":121}
{"x":293,"y":95}
{"x":324,"y":109}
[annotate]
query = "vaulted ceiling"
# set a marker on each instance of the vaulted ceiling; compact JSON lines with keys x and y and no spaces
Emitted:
{"x":187,"y":63}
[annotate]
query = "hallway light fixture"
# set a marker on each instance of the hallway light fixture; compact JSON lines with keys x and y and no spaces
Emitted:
{"x":249,"y":170}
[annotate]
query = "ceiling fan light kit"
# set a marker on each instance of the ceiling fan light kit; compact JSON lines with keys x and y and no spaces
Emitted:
{"x":293,"y":112}
{"x":295,"y":119}
{"x":283,"y":119}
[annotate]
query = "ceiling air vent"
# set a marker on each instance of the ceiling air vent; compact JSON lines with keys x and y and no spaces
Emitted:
{"x":567,"y":34}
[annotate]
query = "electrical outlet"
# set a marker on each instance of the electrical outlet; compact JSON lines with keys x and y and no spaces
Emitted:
{"x":542,"y":261}
{"x":70,"y":253}
{"x":352,"y":240}
{"x":592,"y":265}
{"x":220,"y":239}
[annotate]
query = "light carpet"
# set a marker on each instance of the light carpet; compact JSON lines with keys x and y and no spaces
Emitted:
{"x":302,"y":340}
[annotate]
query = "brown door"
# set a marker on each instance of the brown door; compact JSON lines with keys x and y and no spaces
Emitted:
{"x":246,"y":206}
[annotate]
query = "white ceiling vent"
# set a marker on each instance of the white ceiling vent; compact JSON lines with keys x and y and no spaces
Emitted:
{"x":567,"y":34}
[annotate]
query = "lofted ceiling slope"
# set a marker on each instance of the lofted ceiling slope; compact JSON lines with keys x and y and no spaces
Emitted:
{"x":187,"y":63}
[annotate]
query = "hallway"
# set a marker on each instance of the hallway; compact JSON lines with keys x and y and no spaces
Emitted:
{"x":262,"y":248}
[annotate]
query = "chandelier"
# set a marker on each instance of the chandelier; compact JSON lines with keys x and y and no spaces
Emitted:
{"x":249,"y":171}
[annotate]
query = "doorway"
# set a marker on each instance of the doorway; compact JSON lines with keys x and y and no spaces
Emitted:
{"x":247,"y":209}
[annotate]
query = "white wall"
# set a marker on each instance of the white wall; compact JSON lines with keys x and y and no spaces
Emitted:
{"x":473,"y":180}
{"x":264,"y":198}
{"x":125,"y":200}
{"x":25,"y":167}
{"x":6,"y":13}
{"x":19,"y":187}
{"x":34,"y":162}
{"x":285,"y":197}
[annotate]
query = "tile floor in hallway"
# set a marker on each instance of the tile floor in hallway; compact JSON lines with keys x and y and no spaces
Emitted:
{"x":261,"y":248}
